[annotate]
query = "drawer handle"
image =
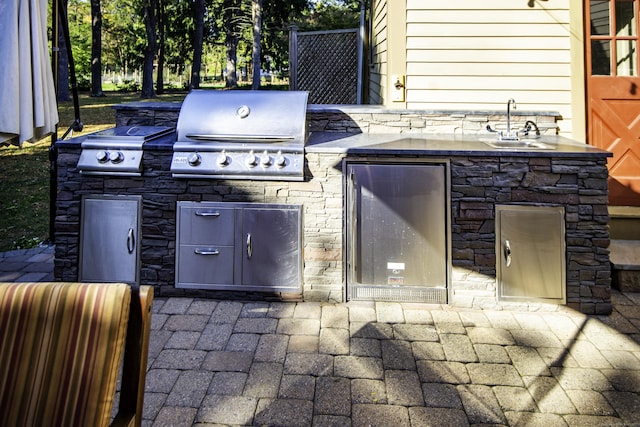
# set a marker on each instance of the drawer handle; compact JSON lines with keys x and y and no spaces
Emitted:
{"x":207,"y":251}
{"x":207,"y":213}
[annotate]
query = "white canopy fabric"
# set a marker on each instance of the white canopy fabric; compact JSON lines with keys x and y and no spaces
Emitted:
{"x":28,"y":108}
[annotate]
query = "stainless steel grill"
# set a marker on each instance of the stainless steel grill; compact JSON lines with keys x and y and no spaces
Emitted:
{"x":118,"y":150}
{"x":241,"y":135}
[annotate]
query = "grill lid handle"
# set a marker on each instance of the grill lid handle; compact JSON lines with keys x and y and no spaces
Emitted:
{"x":240,"y":138}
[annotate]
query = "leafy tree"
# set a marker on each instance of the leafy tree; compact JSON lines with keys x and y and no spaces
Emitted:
{"x":179,"y":31}
{"x":124,"y":35}
{"x":222,"y":37}
{"x":331,"y":15}
{"x":278,"y":16}
{"x":79,"y":18}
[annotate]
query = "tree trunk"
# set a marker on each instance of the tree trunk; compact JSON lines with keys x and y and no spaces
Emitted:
{"x":161,"y":39}
{"x":198,"y":18}
{"x":150,"y":50}
{"x":96,"y":49}
{"x":231,"y":42}
{"x":256,"y":14}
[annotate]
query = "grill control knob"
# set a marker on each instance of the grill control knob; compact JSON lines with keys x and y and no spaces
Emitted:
{"x":194,"y":159}
{"x":116,"y":157}
{"x":102,"y":156}
{"x":222,"y":159}
{"x":251,"y":160}
{"x":265,"y":159}
{"x":281,"y":161}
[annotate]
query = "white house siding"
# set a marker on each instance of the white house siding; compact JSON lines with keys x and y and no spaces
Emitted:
{"x":378,"y":69}
{"x":475,"y":55}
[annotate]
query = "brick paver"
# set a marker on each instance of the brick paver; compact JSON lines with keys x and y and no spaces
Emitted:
{"x":219,"y":362}
{"x":362,"y":364}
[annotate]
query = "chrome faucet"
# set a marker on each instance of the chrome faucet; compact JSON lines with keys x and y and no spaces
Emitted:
{"x":510,"y":136}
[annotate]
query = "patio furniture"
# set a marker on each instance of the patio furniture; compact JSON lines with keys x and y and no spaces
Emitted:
{"x":61,"y":346}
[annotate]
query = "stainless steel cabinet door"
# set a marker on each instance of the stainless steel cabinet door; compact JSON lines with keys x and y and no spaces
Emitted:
{"x":109,"y":239}
{"x":530,"y":253}
{"x":272,"y":249}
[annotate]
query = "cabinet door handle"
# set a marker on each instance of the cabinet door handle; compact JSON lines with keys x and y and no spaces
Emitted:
{"x":507,"y":253}
{"x":131,"y":241}
{"x":207,"y":251}
{"x":208,"y":213}
{"x":249,"y":246}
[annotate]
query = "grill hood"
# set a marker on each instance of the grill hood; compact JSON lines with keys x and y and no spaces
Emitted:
{"x":243,"y":116}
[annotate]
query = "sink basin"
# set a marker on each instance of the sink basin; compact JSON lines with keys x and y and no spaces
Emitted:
{"x":522,"y":144}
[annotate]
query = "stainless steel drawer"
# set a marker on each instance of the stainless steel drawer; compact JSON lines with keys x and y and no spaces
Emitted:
{"x":206,"y":225}
{"x":200,"y":265}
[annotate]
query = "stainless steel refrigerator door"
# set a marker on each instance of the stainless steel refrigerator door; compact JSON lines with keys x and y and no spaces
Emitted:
{"x":397,"y":225}
{"x":530,"y":253}
{"x":110,"y":239}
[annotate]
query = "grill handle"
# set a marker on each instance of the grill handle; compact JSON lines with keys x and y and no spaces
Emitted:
{"x":131,"y":241}
{"x":207,"y":251}
{"x":240,"y":138}
{"x":208,"y":213}
{"x":249,"y":246}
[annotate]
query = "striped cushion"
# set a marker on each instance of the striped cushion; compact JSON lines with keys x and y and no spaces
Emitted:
{"x":60,"y":349}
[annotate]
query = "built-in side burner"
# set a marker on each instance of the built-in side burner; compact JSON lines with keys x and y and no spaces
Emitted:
{"x":118,"y":150}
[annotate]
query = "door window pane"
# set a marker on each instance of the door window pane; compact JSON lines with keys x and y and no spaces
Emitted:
{"x":600,"y":18}
{"x":625,"y":18}
{"x":600,"y":54}
{"x":627,"y":58}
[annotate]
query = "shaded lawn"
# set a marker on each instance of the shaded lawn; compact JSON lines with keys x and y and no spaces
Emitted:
{"x":24,"y":172}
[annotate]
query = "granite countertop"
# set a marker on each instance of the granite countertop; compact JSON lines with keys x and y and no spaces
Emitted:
{"x":406,"y":144}
{"x":442,"y":145}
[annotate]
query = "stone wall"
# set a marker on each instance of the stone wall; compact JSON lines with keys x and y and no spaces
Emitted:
{"x":321,"y":197}
{"x":427,"y":123}
{"x":477,"y":184}
{"x":364,"y":119}
{"x":580,"y":185}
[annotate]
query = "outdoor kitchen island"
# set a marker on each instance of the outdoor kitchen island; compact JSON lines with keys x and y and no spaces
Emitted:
{"x":482,"y":187}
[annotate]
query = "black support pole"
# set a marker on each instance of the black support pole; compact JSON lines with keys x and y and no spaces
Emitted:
{"x":53,"y":151}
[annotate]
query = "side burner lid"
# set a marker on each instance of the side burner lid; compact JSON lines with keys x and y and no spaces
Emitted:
{"x":130,"y":133}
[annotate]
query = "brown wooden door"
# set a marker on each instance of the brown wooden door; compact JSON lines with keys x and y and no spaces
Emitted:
{"x":613,"y":91}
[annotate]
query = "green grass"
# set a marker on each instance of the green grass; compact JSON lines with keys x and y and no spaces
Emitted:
{"x":24,"y":172}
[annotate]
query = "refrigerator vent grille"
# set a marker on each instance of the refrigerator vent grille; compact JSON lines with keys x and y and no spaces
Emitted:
{"x":399,"y":294}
